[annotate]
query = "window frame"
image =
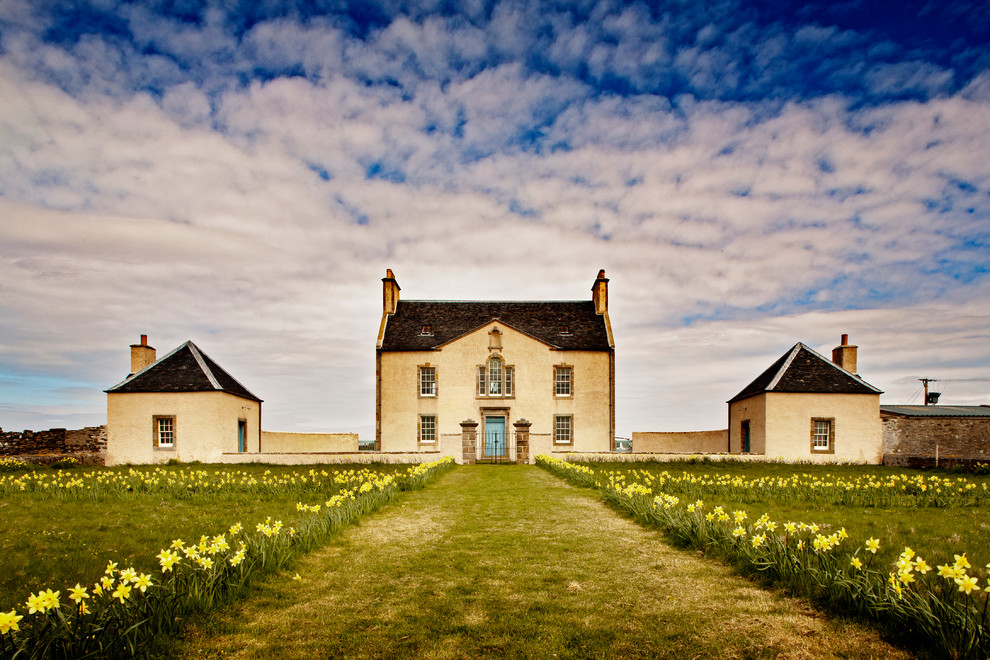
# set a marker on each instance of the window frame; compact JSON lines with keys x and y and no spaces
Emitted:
{"x":422,"y":430}
{"x":815,"y":435}
{"x":422,"y":371}
{"x":156,"y":431}
{"x":558,"y":427}
{"x":507,"y":382}
{"x":559,"y":369}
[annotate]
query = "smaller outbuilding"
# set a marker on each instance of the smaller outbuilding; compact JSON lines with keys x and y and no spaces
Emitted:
{"x":918,"y":436}
{"x":183,"y":406}
{"x":807,"y":407}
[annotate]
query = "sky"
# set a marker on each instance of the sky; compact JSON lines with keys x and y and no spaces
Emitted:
{"x":750,"y":174}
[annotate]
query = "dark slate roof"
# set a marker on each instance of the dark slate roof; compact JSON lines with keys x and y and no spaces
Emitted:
{"x":186,"y":369}
{"x":803,"y":370}
{"x":936,"y":411}
{"x":540,"y":320}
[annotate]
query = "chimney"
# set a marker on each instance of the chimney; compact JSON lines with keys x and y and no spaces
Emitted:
{"x":599,"y":293}
{"x":142,"y":355}
{"x":390,"y":292}
{"x":844,"y":355}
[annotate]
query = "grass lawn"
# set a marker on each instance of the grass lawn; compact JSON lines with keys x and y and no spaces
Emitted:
{"x":51,"y":539}
{"x":936,"y":533}
{"x":510,"y":561}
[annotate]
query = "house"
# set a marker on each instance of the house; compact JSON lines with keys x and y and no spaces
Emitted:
{"x":919,"y":436}
{"x":545,"y":366}
{"x":183,"y":406}
{"x":807,"y":407}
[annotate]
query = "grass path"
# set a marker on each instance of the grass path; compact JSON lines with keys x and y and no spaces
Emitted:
{"x":509,"y":561}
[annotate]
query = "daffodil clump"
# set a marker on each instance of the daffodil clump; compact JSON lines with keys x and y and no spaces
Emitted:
{"x":123,"y":611}
{"x":944,"y":606}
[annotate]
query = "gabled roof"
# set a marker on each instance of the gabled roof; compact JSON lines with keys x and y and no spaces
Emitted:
{"x":450,"y":320}
{"x":803,"y":370}
{"x":186,"y":369}
{"x":936,"y":411}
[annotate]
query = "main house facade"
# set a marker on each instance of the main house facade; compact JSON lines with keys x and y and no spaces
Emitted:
{"x":806,"y":407}
{"x":183,"y":407}
{"x":548,"y":366}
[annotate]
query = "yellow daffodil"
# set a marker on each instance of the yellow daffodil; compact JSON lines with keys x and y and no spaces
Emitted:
{"x":36,"y":603}
{"x":921,"y":566}
{"x":122,"y":592}
{"x":111,"y":567}
{"x":236,"y":528}
{"x":967,"y":583}
{"x":8,"y":621}
{"x":856,"y":563}
{"x":143,"y":582}
{"x":78,"y":593}
{"x":739,"y":531}
{"x":106,"y":582}
{"x":128,"y":575}
{"x":872,"y":545}
{"x":961,"y":561}
{"x":296,"y":577}
{"x":51,"y":599}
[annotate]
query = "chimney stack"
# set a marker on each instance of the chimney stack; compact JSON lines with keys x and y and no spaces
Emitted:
{"x":142,"y":355}
{"x":844,"y":355}
{"x":390,"y":292}
{"x":599,"y":293}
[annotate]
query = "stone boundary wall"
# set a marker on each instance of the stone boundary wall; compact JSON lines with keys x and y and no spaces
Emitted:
{"x":681,"y":442}
{"x":279,"y":442}
{"x":54,"y":442}
{"x":954,"y":437}
{"x":632,"y":457}
{"x":924,"y":462}
{"x":316,"y":458}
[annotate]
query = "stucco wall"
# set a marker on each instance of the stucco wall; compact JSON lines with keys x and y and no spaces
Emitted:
{"x":955,"y":437}
{"x":279,"y":441}
{"x":685,"y":442}
{"x":780,"y":425}
{"x":457,"y":399}
{"x":205,"y":426}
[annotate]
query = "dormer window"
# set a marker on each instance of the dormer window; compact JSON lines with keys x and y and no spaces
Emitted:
{"x":565,"y":329}
{"x":426,"y":331}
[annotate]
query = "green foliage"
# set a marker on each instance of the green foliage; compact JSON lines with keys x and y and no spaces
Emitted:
{"x":946,"y":610}
{"x":125,"y":612}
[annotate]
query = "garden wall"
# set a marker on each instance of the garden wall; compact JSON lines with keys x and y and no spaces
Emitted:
{"x":89,"y":440}
{"x":953,"y":438}
{"x":279,"y":442}
{"x":680,"y":442}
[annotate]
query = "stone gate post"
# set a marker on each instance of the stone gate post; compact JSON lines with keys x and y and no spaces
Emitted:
{"x":469,"y":441}
{"x":522,"y":440}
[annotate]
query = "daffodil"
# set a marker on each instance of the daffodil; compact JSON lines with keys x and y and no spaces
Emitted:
{"x":143,"y":582}
{"x":961,"y":561}
{"x":78,"y":593}
{"x":856,"y":563}
{"x":921,"y":566}
{"x":51,"y":599}
{"x":872,"y":545}
{"x":122,"y":592}
{"x":111,"y":567}
{"x":36,"y":603}
{"x":128,"y":575}
{"x":967,"y":583}
{"x":8,"y":621}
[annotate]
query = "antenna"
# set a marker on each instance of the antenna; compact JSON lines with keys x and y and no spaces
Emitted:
{"x":931,"y":398}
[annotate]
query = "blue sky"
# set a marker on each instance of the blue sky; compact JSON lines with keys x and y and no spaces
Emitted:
{"x":750,"y":174}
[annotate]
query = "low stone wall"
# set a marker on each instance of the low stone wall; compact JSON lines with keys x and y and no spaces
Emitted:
{"x":681,"y":442}
{"x":951,"y":437}
{"x":317,"y":458}
{"x":279,"y":442}
{"x":57,"y":442}
{"x":632,"y":457}
{"x":922,"y":462}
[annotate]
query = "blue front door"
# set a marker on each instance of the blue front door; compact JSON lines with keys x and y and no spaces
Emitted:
{"x":241,"y":433}
{"x":494,"y":436}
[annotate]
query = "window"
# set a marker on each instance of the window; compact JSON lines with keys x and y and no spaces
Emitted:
{"x":164,"y":429}
{"x":496,"y":379}
{"x":823,"y":435}
{"x":565,"y":329}
{"x":562,"y":381}
{"x":427,"y":429}
{"x":562,"y":430}
{"x":427,"y":381}
{"x":427,"y":331}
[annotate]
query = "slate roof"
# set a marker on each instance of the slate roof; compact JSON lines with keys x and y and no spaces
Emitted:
{"x":540,"y":320}
{"x":803,"y":370}
{"x":936,"y":411}
{"x":186,"y":369}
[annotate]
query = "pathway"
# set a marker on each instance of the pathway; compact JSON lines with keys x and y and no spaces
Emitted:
{"x":509,"y":561}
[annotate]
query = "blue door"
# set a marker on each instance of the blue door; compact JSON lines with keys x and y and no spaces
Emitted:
{"x":494,"y":436}
{"x":241,"y":433}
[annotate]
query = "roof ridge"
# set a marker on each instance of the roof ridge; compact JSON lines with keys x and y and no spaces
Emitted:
{"x":194,"y":349}
{"x":784,"y":367}
{"x":146,"y":369}
{"x":839,"y":367}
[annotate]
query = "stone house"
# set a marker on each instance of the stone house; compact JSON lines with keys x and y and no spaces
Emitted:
{"x":545,"y":366}
{"x":183,"y":406}
{"x":807,"y":407}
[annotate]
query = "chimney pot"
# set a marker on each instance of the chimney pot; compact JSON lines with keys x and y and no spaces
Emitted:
{"x":142,"y":355}
{"x":844,"y":355}
{"x":845,"y":340}
{"x":144,"y":340}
